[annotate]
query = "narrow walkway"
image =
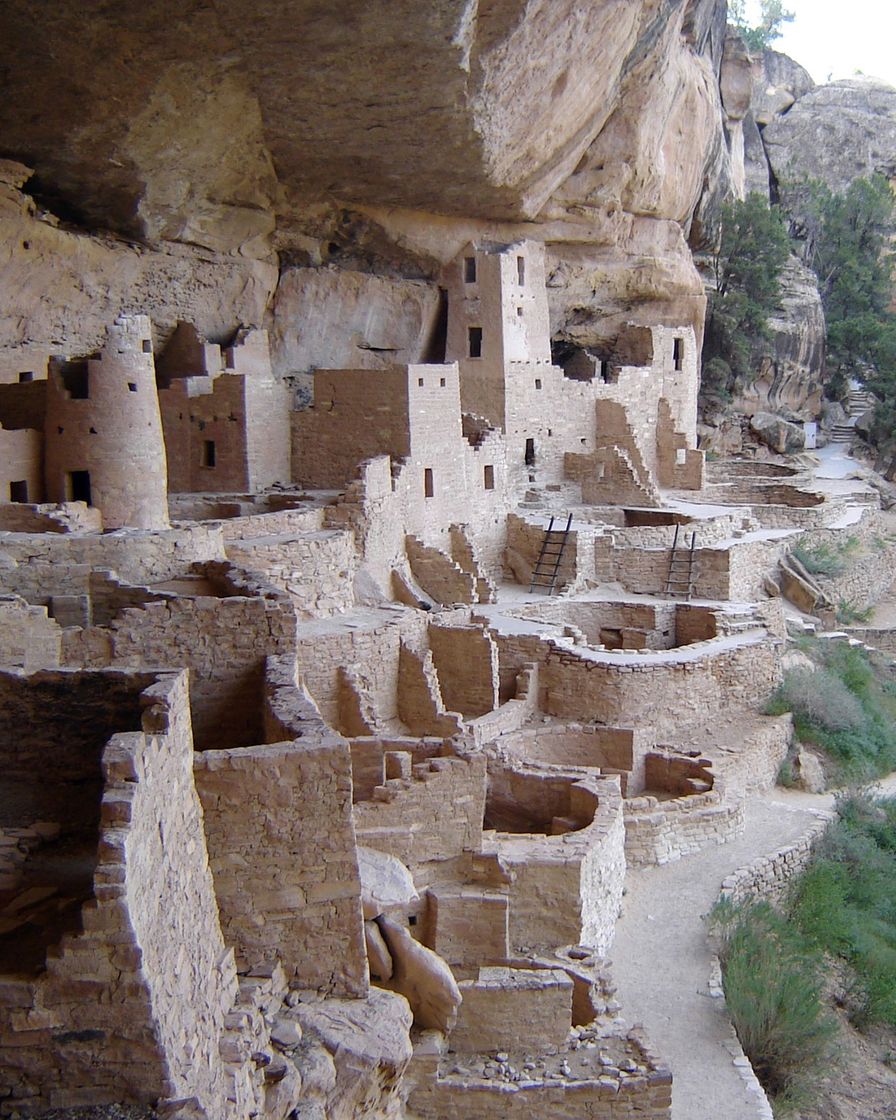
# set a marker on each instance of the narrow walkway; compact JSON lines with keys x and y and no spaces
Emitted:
{"x":661,"y":960}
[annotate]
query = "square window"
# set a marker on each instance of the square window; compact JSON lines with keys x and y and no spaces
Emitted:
{"x":26,"y":375}
{"x":18,"y":491}
{"x":132,"y":386}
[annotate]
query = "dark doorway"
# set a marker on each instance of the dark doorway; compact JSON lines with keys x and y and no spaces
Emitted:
{"x":530,"y":453}
{"x":79,"y":486}
{"x":18,"y":491}
{"x":475,"y":335}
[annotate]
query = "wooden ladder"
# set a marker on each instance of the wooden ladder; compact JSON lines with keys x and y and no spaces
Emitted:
{"x":680,"y":580}
{"x":544,"y":574}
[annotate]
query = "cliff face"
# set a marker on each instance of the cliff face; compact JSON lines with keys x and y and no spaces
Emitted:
{"x":794,"y":131}
{"x":356,"y":140}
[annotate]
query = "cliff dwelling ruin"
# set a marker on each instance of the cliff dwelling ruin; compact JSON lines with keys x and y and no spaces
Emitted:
{"x":368,"y":610}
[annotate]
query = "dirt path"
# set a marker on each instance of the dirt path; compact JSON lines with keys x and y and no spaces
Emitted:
{"x":661,"y":961}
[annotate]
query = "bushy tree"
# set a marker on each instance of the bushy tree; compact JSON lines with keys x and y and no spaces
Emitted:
{"x":760,"y":36}
{"x":848,"y":246}
{"x":753,"y":249}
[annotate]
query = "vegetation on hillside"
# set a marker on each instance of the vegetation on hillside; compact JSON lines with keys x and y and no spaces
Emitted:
{"x":841,"y":911}
{"x":847,"y":239}
{"x":773,"y":981}
{"x":746,"y":275}
{"x":846,"y":707}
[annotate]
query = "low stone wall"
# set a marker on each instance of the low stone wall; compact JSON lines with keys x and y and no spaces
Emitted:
{"x":619,"y":689}
{"x":612,"y":750}
{"x":28,"y":638}
{"x":48,"y":564}
{"x":769,"y":876}
{"x":658,"y":832}
{"x":316,"y":569}
{"x":567,"y":888}
{"x":433,"y":813}
{"x":882,"y":639}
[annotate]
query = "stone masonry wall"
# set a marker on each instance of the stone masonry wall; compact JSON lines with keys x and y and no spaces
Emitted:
{"x":224,"y":643}
{"x":28,"y":638}
{"x":47,"y":564}
{"x":466,"y":661}
{"x":133,"y":1006}
{"x":435,"y":813}
{"x":619,"y":689}
{"x":316,"y":569}
{"x":278,"y":823}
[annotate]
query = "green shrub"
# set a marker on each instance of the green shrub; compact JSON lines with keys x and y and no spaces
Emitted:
{"x":820,"y":698}
{"x":773,"y":990}
{"x":845,"y":903}
{"x":844,"y":707}
{"x":827,"y":558}
{"x":848,"y":614}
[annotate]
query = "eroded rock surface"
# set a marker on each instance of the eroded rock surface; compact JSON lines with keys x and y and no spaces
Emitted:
{"x":836,"y":133}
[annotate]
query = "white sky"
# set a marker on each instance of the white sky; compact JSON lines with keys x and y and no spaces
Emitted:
{"x":835,"y":38}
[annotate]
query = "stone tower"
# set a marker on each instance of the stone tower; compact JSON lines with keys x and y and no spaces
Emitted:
{"x":104,"y":442}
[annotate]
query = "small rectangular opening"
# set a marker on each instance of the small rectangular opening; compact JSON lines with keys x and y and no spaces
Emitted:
{"x":132,"y":386}
{"x":489,"y":476}
{"x":537,"y":382}
{"x":469,"y":270}
{"x":678,"y":353}
{"x":420,"y":382}
{"x":681,"y":456}
{"x":529,"y":455}
{"x":18,"y":491}
{"x":208,"y":453}
{"x":521,"y":270}
{"x":75,"y":380}
{"x":78,"y":487}
{"x":147,"y":345}
{"x":26,"y":375}
{"x":475,"y":337}
{"x":519,"y":312}
{"x":428,"y":488}
{"x":442,"y":382}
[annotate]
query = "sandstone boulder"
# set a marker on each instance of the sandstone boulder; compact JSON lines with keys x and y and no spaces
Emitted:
{"x":798,"y":586}
{"x":354,"y":1052}
{"x":808,"y":772}
{"x":379,"y":960}
{"x":778,"y":434}
{"x":836,"y":133}
{"x":778,"y":82}
{"x":422,"y":977}
{"x":386,"y":883}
